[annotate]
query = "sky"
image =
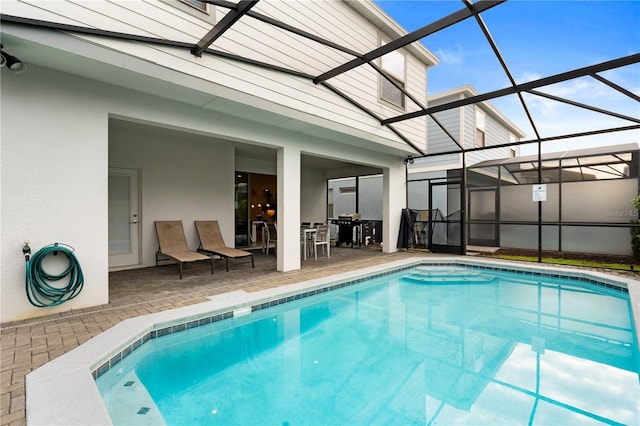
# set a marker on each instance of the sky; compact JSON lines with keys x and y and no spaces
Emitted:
{"x":538,"y":39}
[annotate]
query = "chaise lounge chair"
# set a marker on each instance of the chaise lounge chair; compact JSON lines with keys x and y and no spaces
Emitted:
{"x":211,"y":242}
{"x":173,"y":244}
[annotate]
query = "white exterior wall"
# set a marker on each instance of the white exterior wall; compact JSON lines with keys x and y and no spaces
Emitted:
{"x":288,"y":243}
{"x":313,"y":196}
{"x":335,"y":20}
{"x":54,"y":183}
{"x":394,"y":200}
{"x":57,"y":146}
{"x":55,"y":168}
{"x":183,"y":176}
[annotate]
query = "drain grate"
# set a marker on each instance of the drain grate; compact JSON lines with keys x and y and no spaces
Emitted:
{"x":143,"y":410}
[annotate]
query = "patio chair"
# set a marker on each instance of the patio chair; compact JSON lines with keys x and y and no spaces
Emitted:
{"x":321,"y":238}
{"x":271,"y":236}
{"x":173,"y":244}
{"x":211,"y":242}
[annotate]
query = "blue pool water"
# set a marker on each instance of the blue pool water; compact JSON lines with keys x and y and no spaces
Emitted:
{"x":428,"y":345}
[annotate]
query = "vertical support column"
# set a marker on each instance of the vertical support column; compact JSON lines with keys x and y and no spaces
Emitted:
{"x":539,"y":202}
{"x":463,"y":206}
{"x":288,"y":247}
{"x":394,"y":200}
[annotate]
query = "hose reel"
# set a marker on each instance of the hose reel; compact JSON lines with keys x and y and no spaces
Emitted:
{"x":40,"y":292}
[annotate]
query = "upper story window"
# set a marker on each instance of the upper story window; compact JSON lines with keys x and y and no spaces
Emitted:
{"x":394,"y":64}
{"x":198,"y":9}
{"x":480,"y":136}
{"x":196,"y":4}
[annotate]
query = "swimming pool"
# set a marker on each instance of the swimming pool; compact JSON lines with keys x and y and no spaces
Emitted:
{"x":430,"y":344}
{"x":71,"y":374}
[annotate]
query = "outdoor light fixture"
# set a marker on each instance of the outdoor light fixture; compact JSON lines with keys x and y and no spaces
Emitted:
{"x":11,"y":62}
{"x":408,"y":160}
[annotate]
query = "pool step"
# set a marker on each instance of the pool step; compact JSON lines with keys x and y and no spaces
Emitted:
{"x":445,"y":270}
{"x":465,"y":277}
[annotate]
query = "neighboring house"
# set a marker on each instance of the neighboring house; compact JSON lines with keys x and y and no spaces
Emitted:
{"x":435,"y":181}
{"x":104,"y":135}
{"x":472,"y":126}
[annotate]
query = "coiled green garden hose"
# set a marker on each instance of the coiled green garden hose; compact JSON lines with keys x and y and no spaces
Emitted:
{"x":39,"y":290}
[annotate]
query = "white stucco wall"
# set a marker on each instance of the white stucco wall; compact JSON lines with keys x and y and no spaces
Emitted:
{"x":57,"y":149}
{"x":313,"y":195}
{"x":57,"y":145}
{"x":394,"y":200}
{"x":288,"y":250}
{"x":183,"y":176}
{"x":54,"y":183}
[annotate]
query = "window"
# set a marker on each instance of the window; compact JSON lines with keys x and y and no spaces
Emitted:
{"x":394,"y":64}
{"x":200,"y":5}
{"x":480,"y":136}
{"x":198,"y":9}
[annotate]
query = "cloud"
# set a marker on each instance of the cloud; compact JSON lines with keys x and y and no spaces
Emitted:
{"x":556,"y":117}
{"x":528,"y":76}
{"x":453,"y":56}
{"x":587,"y":89}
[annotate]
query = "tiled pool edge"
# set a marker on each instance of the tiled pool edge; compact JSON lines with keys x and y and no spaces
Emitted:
{"x":187,"y":324}
{"x":73,"y":373}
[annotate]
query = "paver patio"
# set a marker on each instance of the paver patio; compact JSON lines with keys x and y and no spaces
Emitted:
{"x":27,"y":345}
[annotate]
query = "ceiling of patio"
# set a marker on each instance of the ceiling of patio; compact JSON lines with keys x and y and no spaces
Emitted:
{"x":332,"y":167}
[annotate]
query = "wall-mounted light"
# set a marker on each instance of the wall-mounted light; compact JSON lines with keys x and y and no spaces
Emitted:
{"x":408,"y":160}
{"x":11,"y":62}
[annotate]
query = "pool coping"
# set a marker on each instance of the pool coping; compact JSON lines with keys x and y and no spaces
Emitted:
{"x":73,"y":374}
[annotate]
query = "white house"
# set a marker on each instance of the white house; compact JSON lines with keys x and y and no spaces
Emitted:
{"x":116,"y":124}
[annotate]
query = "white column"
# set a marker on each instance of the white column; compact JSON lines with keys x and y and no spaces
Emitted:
{"x":394,"y":200}
{"x":288,"y":248}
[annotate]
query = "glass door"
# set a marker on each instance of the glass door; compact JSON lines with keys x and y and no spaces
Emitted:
{"x":124,"y":218}
{"x":242,"y":209}
{"x":483,"y":224}
{"x":446,"y":218}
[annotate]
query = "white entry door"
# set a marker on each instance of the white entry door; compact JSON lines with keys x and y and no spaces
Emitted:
{"x":124,"y":218}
